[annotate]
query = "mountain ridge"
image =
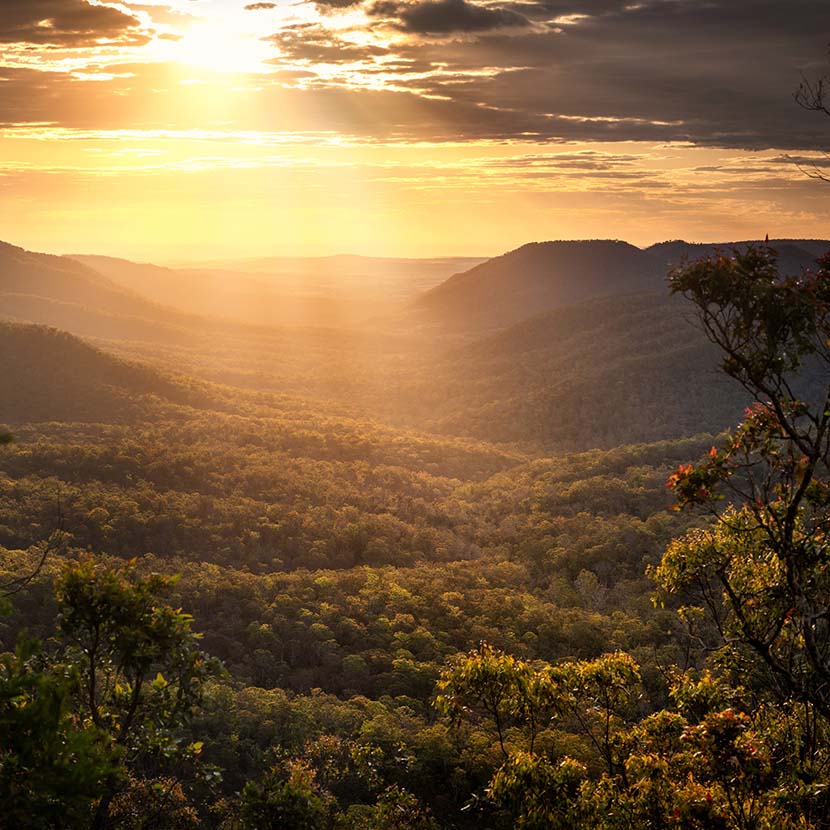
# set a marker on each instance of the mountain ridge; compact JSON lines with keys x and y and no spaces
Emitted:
{"x":52,"y":375}
{"x":543,"y":276}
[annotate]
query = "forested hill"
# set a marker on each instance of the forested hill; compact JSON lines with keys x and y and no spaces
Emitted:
{"x":622,"y":368}
{"x":601,"y":373}
{"x":64,"y":294}
{"x":543,"y":276}
{"x":49,"y":375}
{"x":537,"y":277}
{"x":794,"y":255}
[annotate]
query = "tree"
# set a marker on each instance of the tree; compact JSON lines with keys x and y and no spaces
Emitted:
{"x":763,"y":568}
{"x":747,"y":744}
{"x":398,"y":809}
{"x":140,"y":670}
{"x":85,"y":728}
{"x":814,"y":96}
{"x":287,"y":798}
{"x":52,"y":766}
{"x":53,"y":543}
{"x":539,"y":788}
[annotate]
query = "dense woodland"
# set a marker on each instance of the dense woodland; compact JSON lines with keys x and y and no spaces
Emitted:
{"x":415,"y":576}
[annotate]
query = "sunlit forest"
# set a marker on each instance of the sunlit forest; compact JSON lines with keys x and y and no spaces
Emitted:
{"x":411,"y":573}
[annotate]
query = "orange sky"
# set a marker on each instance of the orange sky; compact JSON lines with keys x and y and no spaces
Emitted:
{"x":189,"y":129}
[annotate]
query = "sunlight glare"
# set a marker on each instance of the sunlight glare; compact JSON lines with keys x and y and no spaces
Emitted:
{"x":222,"y":47}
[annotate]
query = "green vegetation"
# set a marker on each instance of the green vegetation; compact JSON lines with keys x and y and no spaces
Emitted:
{"x":421,"y":631}
{"x":85,"y":721}
{"x":334,"y":565}
{"x":744,"y":741}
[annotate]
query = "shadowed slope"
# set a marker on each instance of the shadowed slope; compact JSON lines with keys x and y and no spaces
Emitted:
{"x":538,"y":277}
{"x":50,"y":375}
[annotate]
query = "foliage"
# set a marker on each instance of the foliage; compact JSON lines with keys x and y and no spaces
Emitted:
{"x":747,"y":746}
{"x":559,"y":548}
{"x":52,"y":767}
{"x":140,"y":667}
{"x":697,"y":764}
{"x":763,"y":568}
{"x":398,"y":809}
{"x":288,"y":797}
{"x":83,"y":726}
{"x":141,"y":672}
{"x":341,"y":568}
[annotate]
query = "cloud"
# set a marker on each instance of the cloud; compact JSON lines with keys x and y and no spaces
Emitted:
{"x":443,"y":17}
{"x":253,"y":7}
{"x":66,"y":23}
{"x":582,"y":160}
{"x":314,"y":43}
{"x":332,"y":6}
{"x":718,"y":73}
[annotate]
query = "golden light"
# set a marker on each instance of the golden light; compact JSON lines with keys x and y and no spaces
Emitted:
{"x":221,"y":46}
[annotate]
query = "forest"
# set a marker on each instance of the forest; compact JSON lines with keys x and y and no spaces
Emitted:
{"x":540,"y":575}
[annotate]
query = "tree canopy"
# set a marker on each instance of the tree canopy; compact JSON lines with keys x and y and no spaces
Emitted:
{"x":743,"y":742}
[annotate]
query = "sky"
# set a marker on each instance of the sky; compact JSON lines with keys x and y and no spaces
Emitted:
{"x":179,"y":130}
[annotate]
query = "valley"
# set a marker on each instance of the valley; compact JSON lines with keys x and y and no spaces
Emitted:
{"x":348,"y":509}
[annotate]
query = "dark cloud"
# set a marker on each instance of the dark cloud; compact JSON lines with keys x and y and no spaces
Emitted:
{"x":313,"y":42}
{"x":587,"y":160}
{"x":332,"y":6}
{"x":443,"y":17}
{"x":254,"y":7}
{"x":716,"y":73}
{"x":720,"y":73}
{"x":804,"y":161}
{"x":556,"y":10}
{"x":67,"y":23}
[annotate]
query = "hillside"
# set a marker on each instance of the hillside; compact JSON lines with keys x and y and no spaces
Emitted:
{"x":49,"y":375}
{"x":56,"y":291}
{"x":57,"y":278}
{"x":543,"y":276}
{"x":338,"y":291}
{"x":608,"y":371}
{"x":68,"y":294}
{"x":538,"y":277}
{"x":618,"y":368}
{"x":793,"y":254}
{"x":304,"y":360}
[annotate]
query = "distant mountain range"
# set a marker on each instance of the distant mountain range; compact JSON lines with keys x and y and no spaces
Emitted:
{"x":557,"y":345}
{"x":543,"y":276}
{"x":118,"y":299}
{"x":321,"y":291}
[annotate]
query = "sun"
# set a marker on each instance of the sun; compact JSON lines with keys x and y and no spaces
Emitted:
{"x":221,"y":46}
